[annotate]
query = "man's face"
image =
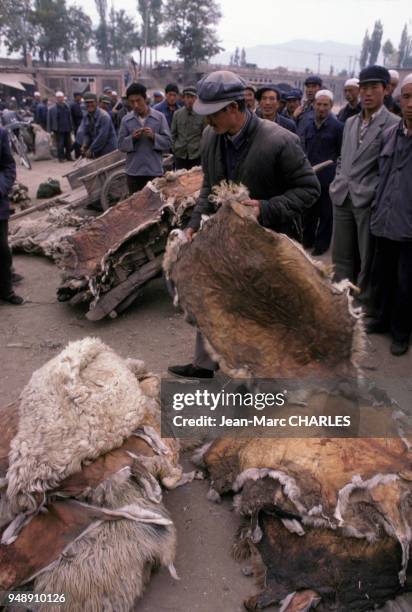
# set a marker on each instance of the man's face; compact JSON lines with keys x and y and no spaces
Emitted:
{"x":105,"y":106}
{"x":269,"y":104}
{"x":323,"y":106}
{"x":91,"y":106}
{"x":392,"y":85}
{"x":114,"y":98}
{"x":158,"y":99}
{"x":137,"y":104}
{"x":171,"y":98}
{"x":59,"y":99}
{"x":250,"y":98}
{"x":188,"y":101}
{"x":37,"y":97}
{"x":311,"y":90}
{"x":351,"y":94}
{"x":372,"y":95}
{"x":292,"y":105}
{"x":77,"y":98}
{"x":223,"y":120}
{"x":406,"y":102}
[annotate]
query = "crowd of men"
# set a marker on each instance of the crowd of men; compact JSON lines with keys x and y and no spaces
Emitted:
{"x":359,"y":201}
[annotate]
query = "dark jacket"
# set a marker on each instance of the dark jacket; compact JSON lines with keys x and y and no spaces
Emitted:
{"x":76,"y":111}
{"x":99,"y":135}
{"x":59,"y":118}
{"x":40,"y":115}
{"x":286,"y":123}
{"x":392,"y":105}
{"x":163,"y":107}
{"x":347,"y":111}
{"x":7,"y":174}
{"x":392,"y":210}
{"x":303,"y":119}
{"x":273,"y":167}
{"x":324,"y":143}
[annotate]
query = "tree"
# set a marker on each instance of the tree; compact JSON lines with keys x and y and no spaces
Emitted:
{"x":81,"y":30}
{"x":16,"y":26}
{"x":151,"y":14}
{"x":364,"y":54}
{"x":243,"y":57}
{"x":190,"y":27}
{"x":50,"y":18}
{"x":101,"y":35}
{"x":403,"y":46}
{"x":388,"y":50}
{"x":375,"y":44}
{"x":124,"y":37}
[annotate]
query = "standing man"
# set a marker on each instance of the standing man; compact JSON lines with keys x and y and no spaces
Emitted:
{"x":293,"y":99}
{"x":76,"y":109}
{"x":144,"y":135}
{"x":250,"y":98}
{"x":171,"y":104}
{"x":354,"y":188}
{"x":36,"y":102}
{"x":96,"y":134}
{"x":322,"y":141}
{"x":158,"y":97}
{"x":187,"y":128}
{"x":40,"y":115}
{"x":268,"y":98}
{"x":390,"y":103}
{"x":59,"y":122}
{"x":105,"y":103}
{"x":239,"y":146}
{"x":7,"y":178}
{"x":391,"y":224}
{"x":305,"y":113}
{"x":353,"y":106}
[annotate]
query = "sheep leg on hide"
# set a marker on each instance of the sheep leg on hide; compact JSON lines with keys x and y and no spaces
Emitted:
{"x":186,"y":478}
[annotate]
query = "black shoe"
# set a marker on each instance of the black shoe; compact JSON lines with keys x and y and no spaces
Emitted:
{"x":190,"y":371}
{"x":376,"y":327}
{"x":12,"y":298}
{"x":399,"y":348}
{"x":16,"y":278}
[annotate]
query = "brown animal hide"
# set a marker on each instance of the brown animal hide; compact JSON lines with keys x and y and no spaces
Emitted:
{"x":324,"y":518}
{"x":265,"y":309}
{"x":129,"y":238}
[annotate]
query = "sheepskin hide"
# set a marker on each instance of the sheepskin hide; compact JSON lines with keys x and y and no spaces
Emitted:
{"x":263,"y":306}
{"x":330,"y":517}
{"x":81,"y":507}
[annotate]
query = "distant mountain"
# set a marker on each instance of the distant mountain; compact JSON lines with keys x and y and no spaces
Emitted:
{"x":298,"y":55}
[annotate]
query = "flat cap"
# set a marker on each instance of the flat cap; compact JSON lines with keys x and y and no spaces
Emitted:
{"x":268,"y":87}
{"x":217,"y":90}
{"x":107,"y":89}
{"x":394,"y":74}
{"x":90,"y":97}
{"x":294,"y":94}
{"x":314,"y":79}
{"x":190,"y":90}
{"x":374,"y":74}
{"x":105,"y":99}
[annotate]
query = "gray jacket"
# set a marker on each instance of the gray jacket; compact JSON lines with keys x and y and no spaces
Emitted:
{"x":144,"y":156}
{"x":357,"y":167}
{"x":273,"y":167}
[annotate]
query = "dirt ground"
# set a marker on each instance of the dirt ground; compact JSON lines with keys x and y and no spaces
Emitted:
{"x":210,"y":580}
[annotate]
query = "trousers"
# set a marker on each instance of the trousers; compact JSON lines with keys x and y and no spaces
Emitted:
{"x":136,"y":183}
{"x":5,"y":260}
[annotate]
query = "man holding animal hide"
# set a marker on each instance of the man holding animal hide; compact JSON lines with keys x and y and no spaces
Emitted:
{"x":239,"y":146}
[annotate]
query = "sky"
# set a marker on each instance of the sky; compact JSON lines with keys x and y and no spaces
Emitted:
{"x":246,"y":23}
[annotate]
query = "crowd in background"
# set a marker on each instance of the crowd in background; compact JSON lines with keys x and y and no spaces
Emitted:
{"x":364,"y":207}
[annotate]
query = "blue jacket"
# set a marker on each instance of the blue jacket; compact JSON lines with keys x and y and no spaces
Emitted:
{"x":321,"y":144}
{"x":59,"y":119}
{"x":286,"y":123}
{"x":163,"y":107}
{"x":100,"y":136}
{"x":40,"y":115}
{"x":76,"y":110}
{"x":391,"y":215}
{"x":7,"y":174}
{"x":144,"y":156}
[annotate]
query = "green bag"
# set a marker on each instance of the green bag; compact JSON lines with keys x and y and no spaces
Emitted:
{"x":49,"y":189}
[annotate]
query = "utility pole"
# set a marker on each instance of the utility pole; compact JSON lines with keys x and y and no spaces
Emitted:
{"x":319,"y":56}
{"x":146,"y":31}
{"x":350,"y":64}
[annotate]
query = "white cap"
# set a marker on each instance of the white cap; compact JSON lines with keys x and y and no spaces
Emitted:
{"x":324,"y":92}
{"x":37,"y":93}
{"x":394,"y":75}
{"x":114,"y":93}
{"x":407,"y":80}
{"x":352,"y":83}
{"x":59,"y":94}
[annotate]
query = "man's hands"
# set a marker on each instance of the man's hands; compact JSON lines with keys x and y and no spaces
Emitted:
{"x":298,"y":111}
{"x":137,"y":134}
{"x":255,"y":204}
{"x":189,"y":233}
{"x":146,"y":131}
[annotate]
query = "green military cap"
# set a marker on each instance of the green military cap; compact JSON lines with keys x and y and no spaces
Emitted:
{"x":105,"y":99}
{"x":90,"y":97}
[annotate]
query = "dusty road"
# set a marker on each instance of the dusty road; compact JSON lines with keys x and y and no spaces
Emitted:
{"x":211,"y":581}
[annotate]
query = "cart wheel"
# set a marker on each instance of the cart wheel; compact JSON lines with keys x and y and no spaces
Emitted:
{"x":114,"y":189}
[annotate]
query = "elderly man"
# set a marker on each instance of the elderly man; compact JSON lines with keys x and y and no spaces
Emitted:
{"x":96,"y":134}
{"x":239,"y":146}
{"x":169,"y":106}
{"x":158,"y":97}
{"x":353,"y":106}
{"x":7,"y":178}
{"x":354,"y":188}
{"x":59,"y":122}
{"x":322,"y":140}
{"x":250,"y":98}
{"x":269,"y":98}
{"x":36,"y":101}
{"x":391,"y":224}
{"x":187,"y":129}
{"x":293,"y":99}
{"x":144,"y":135}
{"x":305,"y":113}
{"x":390,"y":103}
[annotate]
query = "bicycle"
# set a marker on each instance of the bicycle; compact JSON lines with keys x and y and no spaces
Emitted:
{"x":18,"y":144}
